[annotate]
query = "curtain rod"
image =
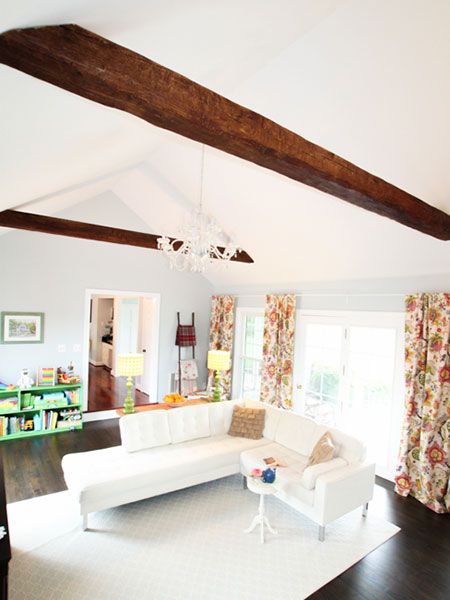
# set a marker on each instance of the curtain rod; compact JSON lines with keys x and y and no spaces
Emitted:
{"x":325,"y":294}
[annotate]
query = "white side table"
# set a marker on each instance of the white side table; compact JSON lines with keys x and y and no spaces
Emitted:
{"x":257,"y":486}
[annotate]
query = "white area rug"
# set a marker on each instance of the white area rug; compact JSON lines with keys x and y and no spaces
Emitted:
{"x":185,"y":545}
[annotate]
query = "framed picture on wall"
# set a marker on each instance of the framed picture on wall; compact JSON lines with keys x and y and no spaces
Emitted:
{"x":21,"y":328}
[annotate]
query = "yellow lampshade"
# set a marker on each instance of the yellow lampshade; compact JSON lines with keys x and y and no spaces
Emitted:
{"x":130,"y":365}
{"x":218,"y":360}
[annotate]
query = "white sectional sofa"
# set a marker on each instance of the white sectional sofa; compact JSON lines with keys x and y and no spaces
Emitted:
{"x":163,"y":451}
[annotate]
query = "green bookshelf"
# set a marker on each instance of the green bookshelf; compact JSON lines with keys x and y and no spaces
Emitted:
{"x":40,"y":410}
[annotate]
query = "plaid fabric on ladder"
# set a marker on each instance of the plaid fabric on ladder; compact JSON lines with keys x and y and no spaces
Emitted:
{"x":185,"y":335}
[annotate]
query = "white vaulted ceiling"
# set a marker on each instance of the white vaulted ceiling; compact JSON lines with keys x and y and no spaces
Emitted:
{"x":367,"y":80}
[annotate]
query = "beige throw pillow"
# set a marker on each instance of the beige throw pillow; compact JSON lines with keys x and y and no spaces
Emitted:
{"x":247,"y":422}
{"x":323,"y":451}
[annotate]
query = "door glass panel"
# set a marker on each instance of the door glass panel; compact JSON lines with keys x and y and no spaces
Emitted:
{"x":370,"y":379}
{"x":323,"y":347}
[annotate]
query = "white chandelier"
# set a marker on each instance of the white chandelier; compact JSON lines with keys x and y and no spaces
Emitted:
{"x":197,"y":246}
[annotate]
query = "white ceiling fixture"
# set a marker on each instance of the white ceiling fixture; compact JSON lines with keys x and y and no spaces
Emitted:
{"x":201,"y":240}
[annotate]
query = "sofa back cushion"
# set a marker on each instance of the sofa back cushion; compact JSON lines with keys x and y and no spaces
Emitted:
{"x":220,"y":415}
{"x":350,"y":448}
{"x":144,"y":430}
{"x":298,"y":433}
{"x":273,"y":416}
{"x":188,"y":423}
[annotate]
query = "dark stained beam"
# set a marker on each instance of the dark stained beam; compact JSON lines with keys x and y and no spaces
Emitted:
{"x":88,"y":231}
{"x":93,"y":67}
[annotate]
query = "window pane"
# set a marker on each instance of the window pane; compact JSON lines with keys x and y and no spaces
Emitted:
{"x":251,"y":378}
{"x":323,"y":346}
{"x":253,"y":338}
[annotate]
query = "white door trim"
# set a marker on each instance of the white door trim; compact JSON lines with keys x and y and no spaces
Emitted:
{"x":89,"y":292}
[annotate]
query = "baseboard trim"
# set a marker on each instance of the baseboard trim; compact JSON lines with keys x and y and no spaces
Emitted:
{"x":95,"y":363}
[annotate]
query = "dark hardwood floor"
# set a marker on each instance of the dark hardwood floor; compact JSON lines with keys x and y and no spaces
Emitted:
{"x":107,"y":392}
{"x":414,"y":564}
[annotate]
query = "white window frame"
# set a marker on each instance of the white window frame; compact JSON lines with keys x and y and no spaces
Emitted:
{"x":238,"y":356}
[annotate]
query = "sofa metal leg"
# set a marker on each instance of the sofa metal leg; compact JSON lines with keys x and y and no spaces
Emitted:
{"x":85,"y":522}
{"x":321,"y":533}
{"x":365,"y":509}
{"x":244,"y":482}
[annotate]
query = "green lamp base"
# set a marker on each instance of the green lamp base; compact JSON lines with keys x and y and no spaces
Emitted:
{"x":216,"y":395}
{"x":128,"y":407}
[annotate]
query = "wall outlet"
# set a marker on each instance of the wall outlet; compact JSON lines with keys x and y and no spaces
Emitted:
{"x":61,"y":348}
{"x":77,"y":347}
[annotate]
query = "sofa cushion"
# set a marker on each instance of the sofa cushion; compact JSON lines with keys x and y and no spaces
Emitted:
{"x":144,"y":430}
{"x":247,"y":422}
{"x":188,"y":423}
{"x":298,"y":433}
{"x":220,"y":414}
{"x":102,"y":473}
{"x":254,"y":458}
{"x":312,"y":472}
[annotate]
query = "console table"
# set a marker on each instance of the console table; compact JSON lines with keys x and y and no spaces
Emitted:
{"x":5,"y":548}
{"x":162,"y":406}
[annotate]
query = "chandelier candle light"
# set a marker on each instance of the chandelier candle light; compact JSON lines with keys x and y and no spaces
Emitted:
{"x":130,"y":365}
{"x":197,"y":246}
{"x":218,"y":360}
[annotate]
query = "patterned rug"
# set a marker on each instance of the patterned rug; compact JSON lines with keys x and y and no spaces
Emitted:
{"x":187,"y":545}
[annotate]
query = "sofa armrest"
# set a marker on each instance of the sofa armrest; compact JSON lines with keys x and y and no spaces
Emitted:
{"x":313,"y":472}
{"x":342,"y":490}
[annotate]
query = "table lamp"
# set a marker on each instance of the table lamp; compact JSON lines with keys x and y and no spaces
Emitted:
{"x":130,"y":365}
{"x":218,"y":360}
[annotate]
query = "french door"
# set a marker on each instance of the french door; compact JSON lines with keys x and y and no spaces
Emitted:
{"x":348,"y":373}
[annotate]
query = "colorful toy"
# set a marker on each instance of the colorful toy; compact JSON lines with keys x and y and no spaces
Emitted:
{"x":25,"y":381}
{"x":67,"y":376}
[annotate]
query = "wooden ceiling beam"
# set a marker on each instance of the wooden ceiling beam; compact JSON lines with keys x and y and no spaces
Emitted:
{"x":88,"y":231}
{"x":93,"y":67}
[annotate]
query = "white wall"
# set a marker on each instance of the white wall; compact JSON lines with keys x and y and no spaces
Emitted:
{"x":363,"y":294}
{"x":50,"y":274}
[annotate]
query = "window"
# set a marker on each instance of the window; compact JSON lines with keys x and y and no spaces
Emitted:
{"x":348,"y":371}
{"x":248,"y":353}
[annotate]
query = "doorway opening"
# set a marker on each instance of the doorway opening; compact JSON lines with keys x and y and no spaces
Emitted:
{"x":118,"y":322}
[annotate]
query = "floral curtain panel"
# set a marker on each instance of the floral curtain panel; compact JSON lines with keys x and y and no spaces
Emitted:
{"x":424,"y":459}
{"x":221,"y":336}
{"x":278,"y":350}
